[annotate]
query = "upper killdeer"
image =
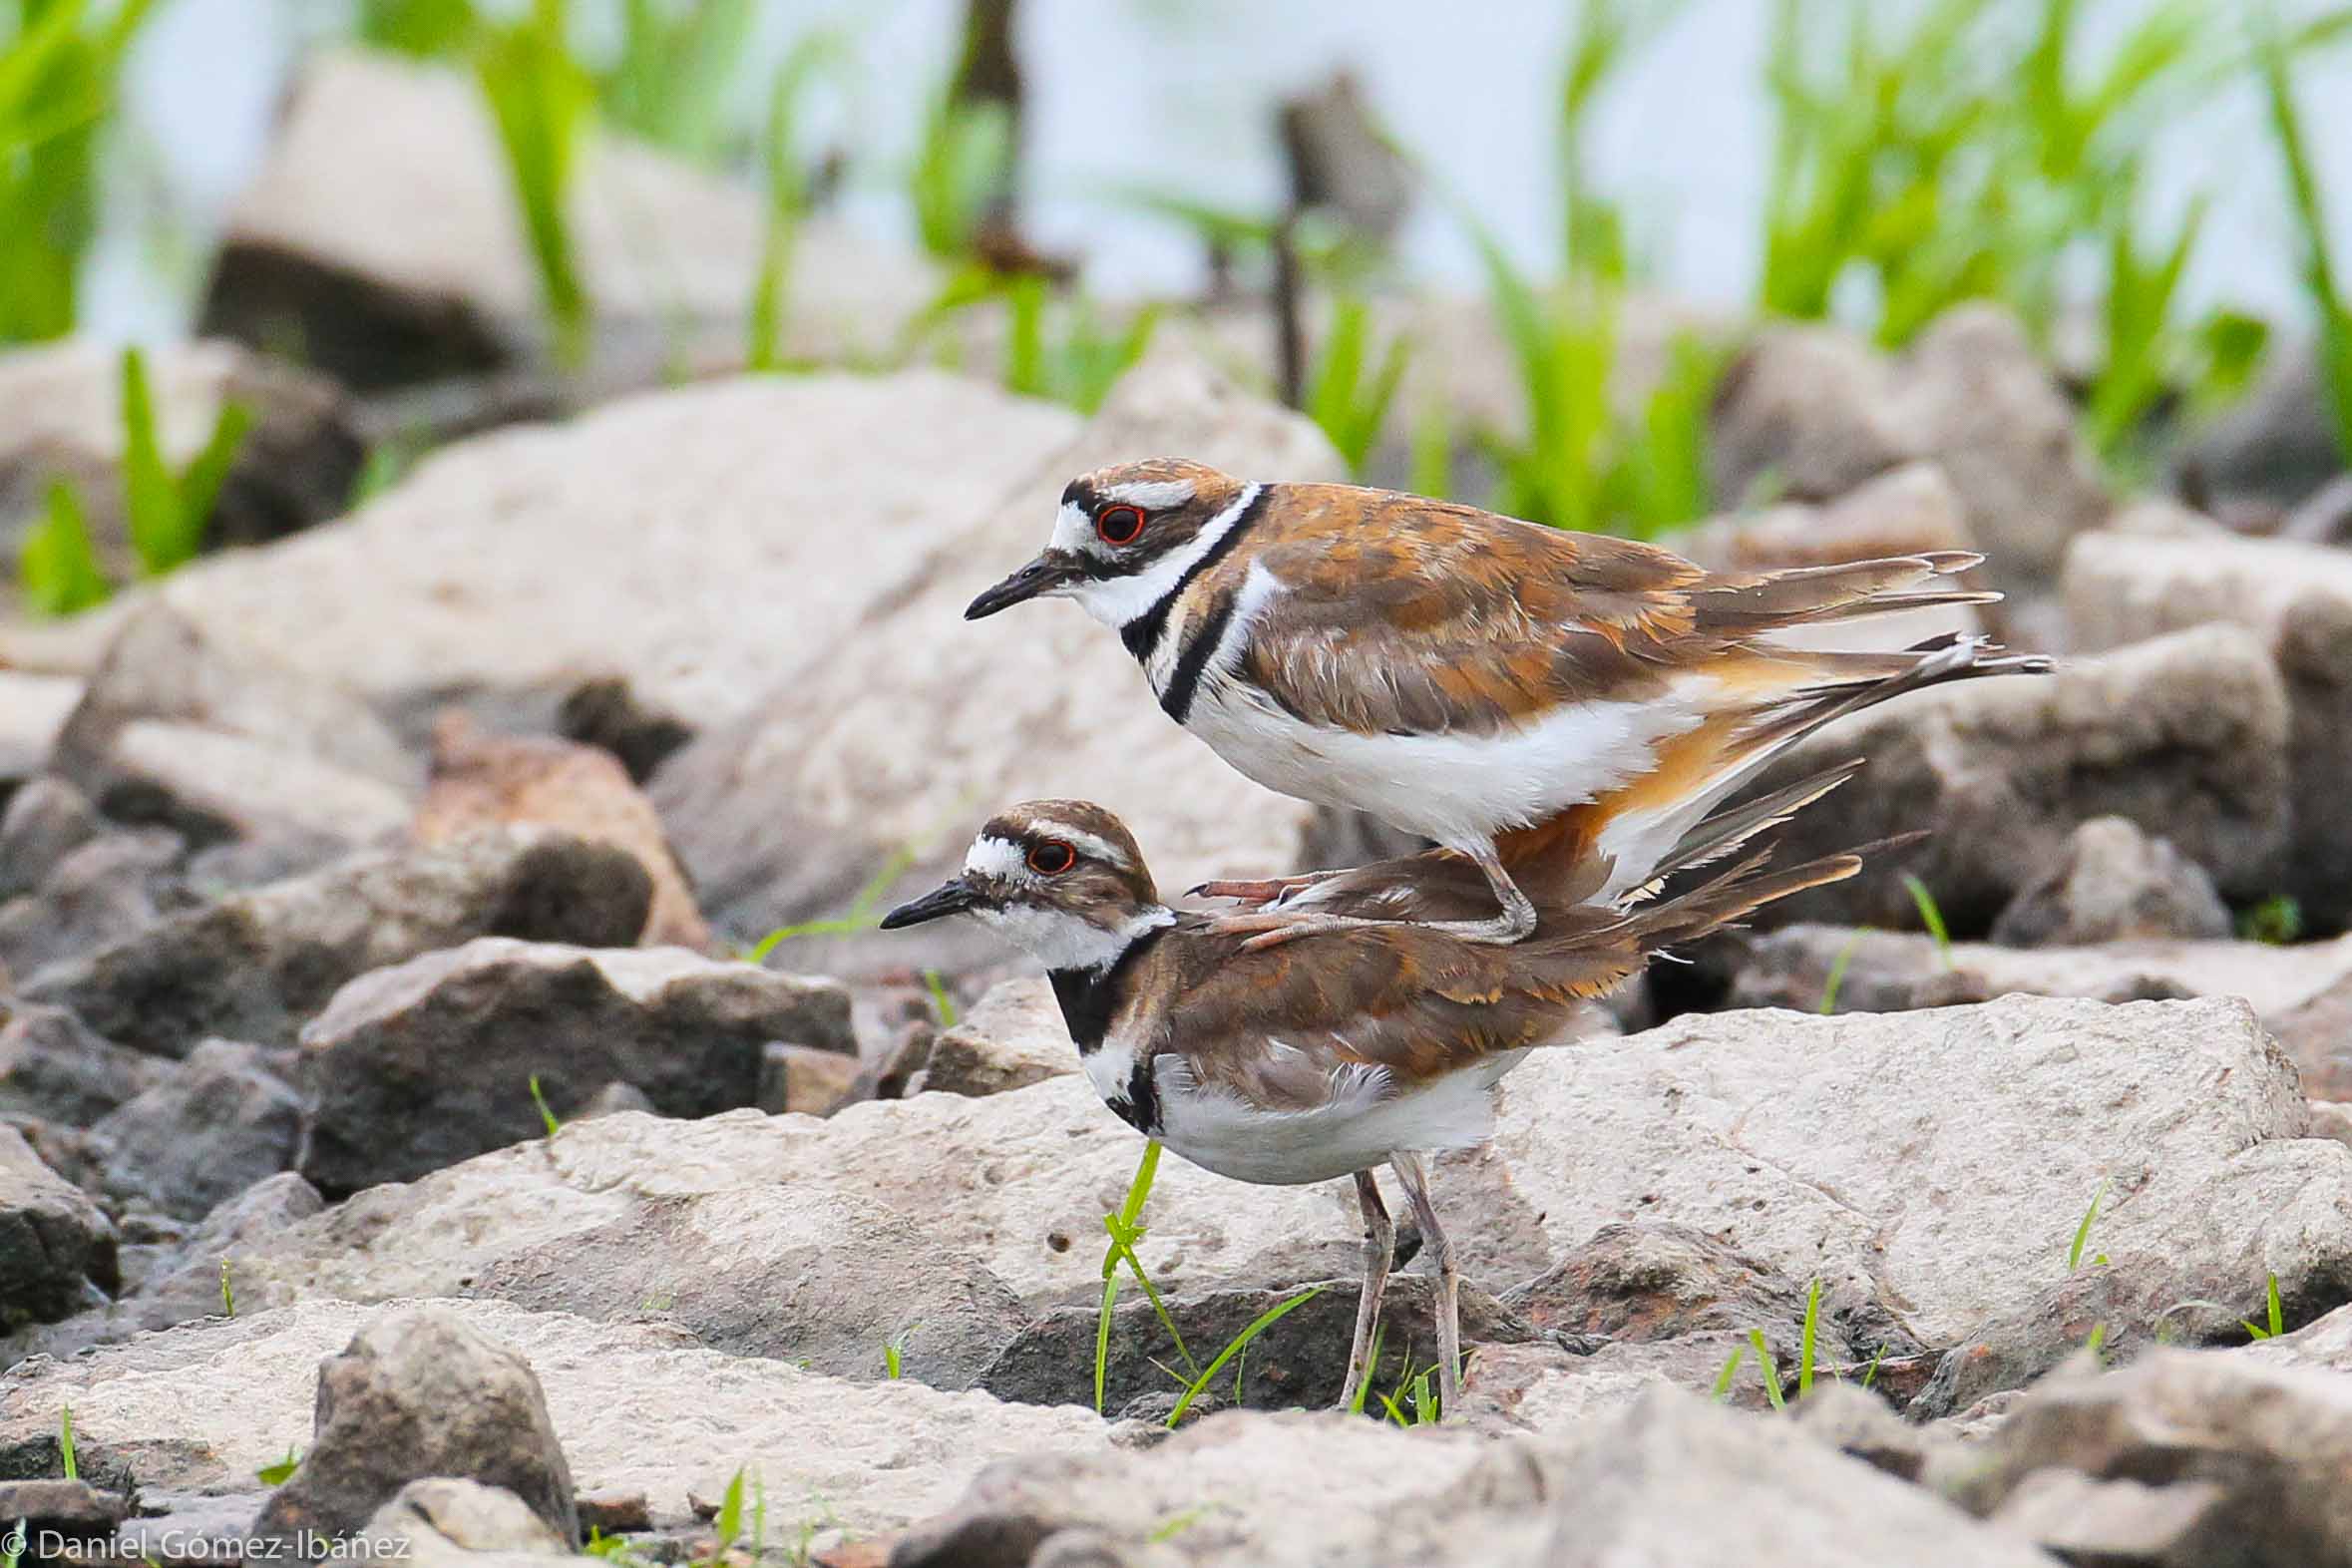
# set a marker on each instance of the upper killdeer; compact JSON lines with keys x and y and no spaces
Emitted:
{"x":1347,"y":1048}
{"x":1462,"y":676}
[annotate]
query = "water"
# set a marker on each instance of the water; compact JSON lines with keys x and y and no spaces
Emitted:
{"x":1177,"y":94}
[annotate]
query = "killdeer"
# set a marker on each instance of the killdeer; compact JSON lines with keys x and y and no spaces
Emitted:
{"x":1464,"y":676}
{"x":1343,"y":1050}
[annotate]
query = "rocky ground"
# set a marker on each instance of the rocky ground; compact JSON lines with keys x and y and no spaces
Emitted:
{"x":395,"y":1140}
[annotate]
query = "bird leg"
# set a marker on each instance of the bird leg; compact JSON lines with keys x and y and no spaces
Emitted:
{"x":1516,"y":922}
{"x":1380,"y":1244}
{"x":1264,"y":891}
{"x":1414,"y":1172}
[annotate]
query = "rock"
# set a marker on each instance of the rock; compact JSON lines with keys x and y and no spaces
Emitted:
{"x":63,"y":419}
{"x":2296,"y":601}
{"x":703,"y":542}
{"x":54,"y":1244}
{"x":808,"y":1080}
{"x":380,"y":240}
{"x":2184,"y":735}
{"x":1543,"y":1388}
{"x":106,"y":891}
{"x":163,"y":668}
{"x":1640,"y":1283}
{"x":74,"y":1510}
{"x":419,"y":1392}
{"x":786,"y":815}
{"x":613,"y":1099}
{"x":1858,"y":1423}
{"x":255,"y":965}
{"x":1896,"y":971}
{"x":431,"y":1062}
{"x":453,"y":1523}
{"x":608,"y":712}
{"x":1014,"y":1037}
{"x":33,"y":708}
{"x":481,"y":780}
{"x":2325,"y":518}
{"x":864,"y":1458}
{"x":1776,"y":1133}
{"x":2113,"y":884}
{"x":45,"y":821}
{"x":52,"y":1067}
{"x":2277,"y":445}
{"x":220,"y":1123}
{"x":1815,"y":411}
{"x":1672,"y":1479}
{"x":819,"y":1280}
{"x":2233,"y":1460}
{"x":1301,"y":1359}
{"x":2317,"y":1034}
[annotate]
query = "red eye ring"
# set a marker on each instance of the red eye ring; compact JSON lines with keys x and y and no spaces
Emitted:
{"x":1121,"y":525}
{"x":1051,"y":858}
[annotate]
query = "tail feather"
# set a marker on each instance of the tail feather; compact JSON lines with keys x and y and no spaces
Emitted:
{"x":1746,"y":606}
{"x":1736,"y":894}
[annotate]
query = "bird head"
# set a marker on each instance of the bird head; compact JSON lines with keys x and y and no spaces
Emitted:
{"x":1122,"y":537}
{"x":1062,"y":880}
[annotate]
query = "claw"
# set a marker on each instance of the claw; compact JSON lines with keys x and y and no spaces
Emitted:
{"x":1264,"y":891}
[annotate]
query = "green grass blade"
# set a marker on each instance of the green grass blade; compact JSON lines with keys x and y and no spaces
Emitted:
{"x":149,"y":493}
{"x":2073,"y":1254}
{"x":2316,"y":265}
{"x":541,"y":99}
{"x":1931,"y":917}
{"x":65,"y":1442}
{"x":546,"y":1115}
{"x":1804,"y":1354}
{"x":1769,"y":1368}
{"x":1722,"y":1380}
{"x":1837,"y":966}
{"x":56,"y":567}
{"x":1258,"y":1325}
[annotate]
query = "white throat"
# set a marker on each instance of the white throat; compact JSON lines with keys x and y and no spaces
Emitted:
{"x":1062,"y":941}
{"x":1118,"y":600}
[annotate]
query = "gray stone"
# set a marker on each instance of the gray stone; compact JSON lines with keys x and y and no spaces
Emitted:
{"x":75,"y":1509}
{"x":2277,"y":445}
{"x":2113,"y":884}
{"x":219,"y":1125}
{"x":817,"y":1278}
{"x":1013,"y":1038}
{"x":54,"y":1069}
{"x":832,"y":1456}
{"x":607,"y":713}
{"x":2241,"y":1462}
{"x":54,"y":1244}
{"x":45,"y":820}
{"x":420,"y":1392}
{"x":61,"y":417}
{"x":184,"y":723}
{"x":2325,"y":518}
{"x":865,"y":752}
{"x":106,"y":891}
{"x":613,"y":1099}
{"x":2317,"y":1034}
{"x":1643,"y":1282}
{"x":380,"y":240}
{"x":2295,"y":601}
{"x":33,"y":708}
{"x":2184,"y":735}
{"x":1894,"y":971}
{"x":804,"y":1079}
{"x":1816,"y":412}
{"x":429,"y":1062}
{"x":1857,"y":1422}
{"x":257,"y":966}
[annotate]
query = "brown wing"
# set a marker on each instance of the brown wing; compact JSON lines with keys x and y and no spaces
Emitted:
{"x":1410,"y":615}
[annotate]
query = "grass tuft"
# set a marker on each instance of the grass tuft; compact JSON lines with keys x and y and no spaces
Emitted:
{"x":275,"y":1475}
{"x":542,"y":100}
{"x":1258,"y":1325}
{"x":2277,"y":1314}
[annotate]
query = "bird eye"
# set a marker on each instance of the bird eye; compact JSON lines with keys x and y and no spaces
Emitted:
{"x":1052,"y":858}
{"x":1119,"y":524}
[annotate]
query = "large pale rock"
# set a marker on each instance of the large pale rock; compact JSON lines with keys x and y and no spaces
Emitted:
{"x":925,"y":723}
{"x":61,"y":417}
{"x":703,"y":542}
{"x":2181,"y":1457}
{"x":431,"y":1062}
{"x":443,"y":1522}
{"x":1669,"y":1479}
{"x":200,"y":728}
{"x":257,"y":966}
{"x":2296,"y":600}
{"x":1820,"y":412}
{"x":382,"y":239}
{"x":1790,"y":1138}
{"x":54,"y":1244}
{"x":418,"y":1392}
{"x":2184,"y":735}
{"x":864,"y":1459}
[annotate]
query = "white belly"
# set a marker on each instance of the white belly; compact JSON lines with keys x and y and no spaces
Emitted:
{"x":1360,"y":1128}
{"x":1457,"y":789}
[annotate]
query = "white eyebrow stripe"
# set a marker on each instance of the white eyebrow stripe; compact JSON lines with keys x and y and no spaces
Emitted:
{"x":1083,"y":842}
{"x":1153,"y":495}
{"x":991,"y":856}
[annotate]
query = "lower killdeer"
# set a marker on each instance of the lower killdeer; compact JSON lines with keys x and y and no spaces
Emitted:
{"x":1462,"y":676}
{"x":1343,"y":1050}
